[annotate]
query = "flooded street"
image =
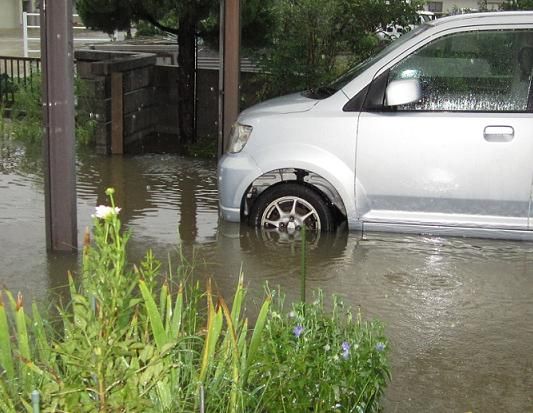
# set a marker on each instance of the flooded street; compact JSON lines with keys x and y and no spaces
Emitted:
{"x":459,"y":312}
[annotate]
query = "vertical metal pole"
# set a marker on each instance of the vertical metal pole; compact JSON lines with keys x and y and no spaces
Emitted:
{"x":221,"y":41}
{"x":25,"y":32}
{"x":230,"y":54}
{"x":58,"y":116}
{"x":36,"y":401}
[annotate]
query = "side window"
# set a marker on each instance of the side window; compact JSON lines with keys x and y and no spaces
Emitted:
{"x":482,"y":71}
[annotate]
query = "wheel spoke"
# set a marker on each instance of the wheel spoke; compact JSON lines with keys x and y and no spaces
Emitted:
{"x":307,"y":215}
{"x":273,"y":223}
{"x":293,"y":209}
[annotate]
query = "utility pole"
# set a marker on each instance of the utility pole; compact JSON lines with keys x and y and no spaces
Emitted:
{"x":58,"y":115}
{"x":230,"y":45}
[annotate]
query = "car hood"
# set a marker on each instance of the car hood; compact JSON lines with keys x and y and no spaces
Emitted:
{"x":295,"y":102}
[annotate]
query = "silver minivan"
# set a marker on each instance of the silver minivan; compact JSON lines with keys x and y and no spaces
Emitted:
{"x":432,"y":135}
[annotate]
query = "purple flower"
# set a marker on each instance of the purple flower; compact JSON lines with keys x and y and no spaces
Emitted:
{"x":345,"y":350}
{"x":380,"y":346}
{"x":297,"y":331}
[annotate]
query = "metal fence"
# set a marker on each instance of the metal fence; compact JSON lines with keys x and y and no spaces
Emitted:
{"x":14,"y":72}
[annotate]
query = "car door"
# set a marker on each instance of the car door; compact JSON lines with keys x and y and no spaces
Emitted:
{"x":462,"y":154}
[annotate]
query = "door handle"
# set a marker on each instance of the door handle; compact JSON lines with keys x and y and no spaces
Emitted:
{"x":498,"y":133}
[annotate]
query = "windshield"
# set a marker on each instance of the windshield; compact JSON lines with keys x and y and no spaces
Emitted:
{"x":326,"y":91}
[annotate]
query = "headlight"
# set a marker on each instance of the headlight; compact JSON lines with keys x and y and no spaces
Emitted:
{"x":238,"y":137}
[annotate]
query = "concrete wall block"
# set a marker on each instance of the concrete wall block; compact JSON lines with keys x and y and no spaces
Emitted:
{"x":167,"y":120}
{"x":84,"y":69}
{"x":138,"y":78}
{"x":103,"y":138}
{"x":140,"y":120}
{"x":138,"y":100}
{"x":166,"y":76}
{"x":135,"y":140}
{"x":97,"y":109}
{"x":207,"y":106}
{"x":98,"y":87}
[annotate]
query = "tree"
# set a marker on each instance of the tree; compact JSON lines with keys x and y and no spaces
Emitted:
{"x":517,"y":5}
{"x":314,"y":40}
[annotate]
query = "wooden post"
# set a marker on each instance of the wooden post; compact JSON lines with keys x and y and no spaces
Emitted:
{"x":117,"y":114}
{"x":230,"y":43}
{"x":58,"y":116}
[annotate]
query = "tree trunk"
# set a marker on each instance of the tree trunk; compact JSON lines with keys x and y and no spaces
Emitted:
{"x":186,"y":80}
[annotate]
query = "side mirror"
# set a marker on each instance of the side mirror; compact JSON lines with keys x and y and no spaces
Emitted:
{"x":403,"y":92}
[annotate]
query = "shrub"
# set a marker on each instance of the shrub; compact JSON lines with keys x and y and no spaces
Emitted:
{"x":27,"y":113}
{"x":316,"y":360}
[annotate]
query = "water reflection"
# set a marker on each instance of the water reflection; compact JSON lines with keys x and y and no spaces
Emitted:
{"x":459,"y":312}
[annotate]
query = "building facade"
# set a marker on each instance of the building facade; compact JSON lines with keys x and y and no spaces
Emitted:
{"x":11,"y":15}
{"x":445,"y":7}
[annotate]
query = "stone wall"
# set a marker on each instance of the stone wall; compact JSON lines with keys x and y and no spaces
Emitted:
{"x":118,"y":92}
{"x":148,"y":100}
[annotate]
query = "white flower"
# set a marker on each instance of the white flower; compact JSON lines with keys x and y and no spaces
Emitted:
{"x":104,"y":211}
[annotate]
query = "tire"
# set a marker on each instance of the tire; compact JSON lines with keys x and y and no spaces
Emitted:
{"x":288,"y":206}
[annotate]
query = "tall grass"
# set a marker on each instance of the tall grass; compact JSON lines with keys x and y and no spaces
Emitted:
{"x":27,"y":114}
{"x":136,"y":339}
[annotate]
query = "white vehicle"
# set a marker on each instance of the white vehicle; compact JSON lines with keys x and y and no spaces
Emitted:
{"x":392,"y":32}
{"x":432,"y":135}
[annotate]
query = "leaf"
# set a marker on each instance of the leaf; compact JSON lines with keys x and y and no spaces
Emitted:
{"x":41,"y":340}
{"x":163,"y":294}
{"x":6,"y":403}
{"x":158,"y":331}
{"x":6,"y":361}
{"x":175,"y":324}
{"x":258,"y":330}
{"x":234,"y":358}
{"x":214,"y":327}
{"x":23,"y":342}
{"x":238,"y":300}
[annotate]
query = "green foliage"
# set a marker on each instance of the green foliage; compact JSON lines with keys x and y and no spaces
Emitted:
{"x":311,"y":36}
{"x":134,"y":340}
{"x":105,"y":15}
{"x":315,"y":360}
{"x":27,"y":114}
{"x":517,"y":5}
{"x":203,"y":148}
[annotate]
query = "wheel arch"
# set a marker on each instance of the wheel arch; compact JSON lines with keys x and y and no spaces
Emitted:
{"x":301,"y":176}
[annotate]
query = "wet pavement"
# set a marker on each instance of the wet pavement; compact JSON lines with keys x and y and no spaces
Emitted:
{"x":459,"y":312}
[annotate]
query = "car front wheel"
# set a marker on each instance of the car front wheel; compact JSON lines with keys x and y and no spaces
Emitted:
{"x":289,"y":207}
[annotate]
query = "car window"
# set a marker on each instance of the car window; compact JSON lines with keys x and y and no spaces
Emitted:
{"x":486,"y":71}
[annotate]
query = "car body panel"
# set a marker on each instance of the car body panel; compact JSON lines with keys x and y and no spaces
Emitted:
{"x":437,"y":168}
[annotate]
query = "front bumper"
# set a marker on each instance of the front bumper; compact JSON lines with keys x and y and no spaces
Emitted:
{"x":235,"y":174}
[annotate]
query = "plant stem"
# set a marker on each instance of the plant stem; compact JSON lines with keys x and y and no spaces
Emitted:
{"x":303,"y":265}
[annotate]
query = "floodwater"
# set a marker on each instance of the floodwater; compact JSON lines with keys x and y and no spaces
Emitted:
{"x":459,"y":312}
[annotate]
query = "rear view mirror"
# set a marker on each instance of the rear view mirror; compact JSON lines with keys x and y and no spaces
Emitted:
{"x":403,"y":92}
